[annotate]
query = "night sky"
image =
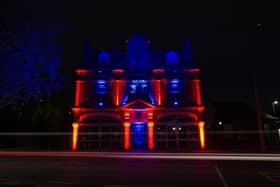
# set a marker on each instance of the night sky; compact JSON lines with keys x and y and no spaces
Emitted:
{"x":229,"y":37}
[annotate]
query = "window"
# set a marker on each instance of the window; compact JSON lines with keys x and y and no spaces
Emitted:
{"x":171,"y":58}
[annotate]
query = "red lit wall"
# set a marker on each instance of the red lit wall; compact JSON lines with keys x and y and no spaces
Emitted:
{"x":159,"y":89}
{"x":118,"y":91}
{"x":75,"y":136}
{"x":151,"y":135}
{"x":83,"y":90}
{"x":201,"y":134}
{"x":126,"y":127}
{"x":192,"y":90}
{"x":78,"y":92}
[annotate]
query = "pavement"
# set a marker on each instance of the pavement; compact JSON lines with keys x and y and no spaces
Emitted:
{"x":112,"y":169}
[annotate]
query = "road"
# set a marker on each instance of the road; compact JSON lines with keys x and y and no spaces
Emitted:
{"x":130,"y":172}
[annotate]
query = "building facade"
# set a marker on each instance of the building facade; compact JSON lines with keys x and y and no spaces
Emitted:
{"x":138,"y":98}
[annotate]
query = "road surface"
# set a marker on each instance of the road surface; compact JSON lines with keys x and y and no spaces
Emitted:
{"x":129,"y":172}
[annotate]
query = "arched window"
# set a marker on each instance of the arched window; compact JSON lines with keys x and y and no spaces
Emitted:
{"x":171,"y":58}
{"x":175,"y":91}
{"x":104,"y":58}
{"x":101,"y":92}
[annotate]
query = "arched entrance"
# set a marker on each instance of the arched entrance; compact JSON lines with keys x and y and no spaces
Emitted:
{"x":100,"y":132}
{"x":138,"y":136}
{"x":176,"y":132}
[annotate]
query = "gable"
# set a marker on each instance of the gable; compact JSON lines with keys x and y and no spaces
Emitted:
{"x":138,"y":104}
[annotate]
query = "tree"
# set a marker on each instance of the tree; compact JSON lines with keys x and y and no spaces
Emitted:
{"x":29,"y":63}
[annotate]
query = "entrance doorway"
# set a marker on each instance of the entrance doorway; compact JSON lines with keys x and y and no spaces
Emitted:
{"x":139,"y":138}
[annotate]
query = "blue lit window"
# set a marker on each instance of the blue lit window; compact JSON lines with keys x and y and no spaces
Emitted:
{"x":139,"y":88}
{"x":125,"y":99}
{"x":175,"y":91}
{"x":101,"y":91}
{"x":171,"y":58}
{"x":175,"y":86}
{"x":104,"y":58}
{"x":132,"y":89}
{"x":102,"y":87}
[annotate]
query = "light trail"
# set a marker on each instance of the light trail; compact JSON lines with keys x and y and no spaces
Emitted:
{"x":171,"y":156}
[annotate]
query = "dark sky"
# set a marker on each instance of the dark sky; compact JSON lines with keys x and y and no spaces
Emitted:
{"x":227,"y":40}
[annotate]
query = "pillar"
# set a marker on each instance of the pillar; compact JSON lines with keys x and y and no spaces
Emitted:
{"x":151,"y":124}
{"x":75,"y":136}
{"x":118,"y":91}
{"x":159,"y":91}
{"x":201,"y":134}
{"x":192,"y":90}
{"x":196,"y":91}
{"x":83,"y":91}
{"x":126,"y":126}
{"x":151,"y":135}
{"x":158,"y":84}
{"x":118,"y":86}
{"x":78,"y":92}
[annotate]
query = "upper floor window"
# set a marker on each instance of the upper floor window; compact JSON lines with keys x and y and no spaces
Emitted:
{"x":101,"y":87}
{"x":104,"y":58}
{"x":175,"y":86}
{"x":171,"y":58}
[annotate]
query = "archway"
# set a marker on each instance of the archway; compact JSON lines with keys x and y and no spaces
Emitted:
{"x":176,"y":132}
{"x":102,"y":132}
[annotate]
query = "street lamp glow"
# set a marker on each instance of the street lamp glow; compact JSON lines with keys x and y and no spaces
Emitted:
{"x":220,"y":123}
{"x":275,"y":102}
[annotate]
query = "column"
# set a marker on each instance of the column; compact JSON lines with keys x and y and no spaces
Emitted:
{"x":126,"y":125}
{"x":158,"y":84}
{"x":118,"y":91}
{"x":201,"y":134}
{"x":83,"y":92}
{"x":118,"y":86}
{"x":78,"y":92}
{"x":75,"y":136}
{"x":192,"y":90}
{"x":151,"y":134}
{"x":151,"y":124}
{"x":196,"y":91}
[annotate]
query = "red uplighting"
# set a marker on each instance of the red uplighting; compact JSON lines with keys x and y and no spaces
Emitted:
{"x":118,"y":71}
{"x":126,"y":135}
{"x":75,"y":136}
{"x":192,"y":70}
{"x":118,"y":89}
{"x":78,"y":94}
{"x":82,"y":72}
{"x":158,"y":87}
{"x":196,"y":88}
{"x":158,"y":71}
{"x":201,"y":134}
{"x":151,"y":135}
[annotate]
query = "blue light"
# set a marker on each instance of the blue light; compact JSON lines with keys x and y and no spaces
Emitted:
{"x":152,"y":98}
{"x":176,"y":103}
{"x":174,"y":86}
{"x":137,"y":53}
{"x":125,"y":100}
{"x":174,"y":81}
{"x":100,"y":104}
{"x":138,"y":130}
{"x":171,"y":58}
{"x":101,"y":86}
{"x":138,"y":81}
{"x":101,"y":81}
{"x":104,"y":58}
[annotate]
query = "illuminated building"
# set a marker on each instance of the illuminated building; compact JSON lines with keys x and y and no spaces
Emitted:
{"x":139,"y":99}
